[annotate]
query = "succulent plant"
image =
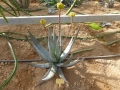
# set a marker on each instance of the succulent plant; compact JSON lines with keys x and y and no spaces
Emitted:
{"x":22,"y":3}
{"x":66,"y":2}
{"x":55,"y":58}
{"x":70,"y":2}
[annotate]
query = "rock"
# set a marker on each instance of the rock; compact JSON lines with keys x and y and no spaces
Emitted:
{"x":113,"y":45}
{"x":100,"y":54}
{"x":6,"y":63}
{"x":2,"y":63}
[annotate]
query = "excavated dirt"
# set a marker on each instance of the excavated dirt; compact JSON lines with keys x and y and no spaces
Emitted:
{"x":92,"y":74}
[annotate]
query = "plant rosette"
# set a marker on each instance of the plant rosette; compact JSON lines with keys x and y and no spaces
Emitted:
{"x":55,"y":57}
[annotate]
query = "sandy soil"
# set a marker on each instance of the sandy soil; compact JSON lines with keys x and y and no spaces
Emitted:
{"x":94,"y":74}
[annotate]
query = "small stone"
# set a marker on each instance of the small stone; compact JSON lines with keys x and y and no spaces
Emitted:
{"x":32,"y":69}
{"x":113,"y":45}
{"x":29,"y":72}
{"x":2,"y":63}
{"x":19,"y":85}
{"x":6,"y":63}
{"x":83,"y":55}
{"x":1,"y":77}
{"x":29,"y":68}
{"x":88,"y":87}
{"x":75,"y":83}
{"x":100,"y":54}
{"x":20,"y":79}
{"x":82,"y":84}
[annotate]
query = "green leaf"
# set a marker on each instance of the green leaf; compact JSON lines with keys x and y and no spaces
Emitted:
{"x":54,"y":36}
{"x":66,"y":51}
{"x":60,"y":73}
{"x":50,"y":73}
{"x":51,"y":47}
{"x":59,"y":64}
{"x":58,"y":49}
{"x":7,"y":11}
{"x":18,"y":7}
{"x":65,"y":63}
{"x":15,"y":67}
{"x":43,"y":77}
{"x":4,"y":1}
{"x":39,"y":51}
{"x":3,"y":15}
{"x":39,"y":46}
{"x":45,"y":65}
{"x":68,"y":61}
{"x":73,"y":63}
{"x":95,"y":26}
{"x":70,"y":9}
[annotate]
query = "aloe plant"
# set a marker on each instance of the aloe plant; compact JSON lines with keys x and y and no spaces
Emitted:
{"x":55,"y":58}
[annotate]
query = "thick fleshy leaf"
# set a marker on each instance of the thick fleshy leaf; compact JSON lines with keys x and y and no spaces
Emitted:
{"x":65,"y":63}
{"x":51,"y":40}
{"x":51,"y":73}
{"x":60,"y":72}
{"x":2,"y":14}
{"x":39,"y":51}
{"x":54,"y":36}
{"x":45,"y":65}
{"x":60,"y":37}
{"x":66,"y":51}
{"x":73,"y":63}
{"x":51,"y":47}
{"x":57,"y":46}
{"x":40,"y":47}
{"x":58,"y":50}
{"x":68,"y":61}
{"x":59,"y":64}
{"x":51,"y":37}
{"x":43,"y":77}
{"x":51,"y":52}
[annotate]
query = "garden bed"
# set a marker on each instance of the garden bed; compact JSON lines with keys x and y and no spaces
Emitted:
{"x":91,"y":74}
